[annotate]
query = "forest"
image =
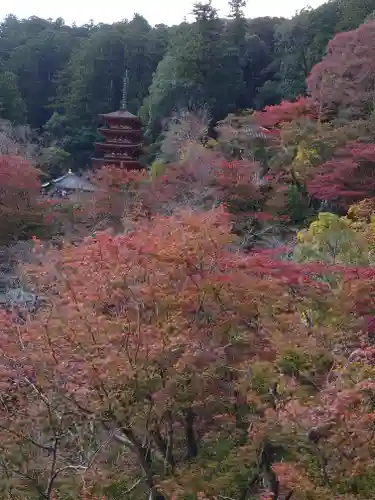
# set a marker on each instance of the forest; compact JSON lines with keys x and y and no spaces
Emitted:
{"x":56,"y":79}
{"x":201,"y":328}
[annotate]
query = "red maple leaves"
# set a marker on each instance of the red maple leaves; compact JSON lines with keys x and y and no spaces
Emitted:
{"x":348,"y":177}
{"x":20,"y":209}
{"x":344,"y":80}
{"x":286,"y":111}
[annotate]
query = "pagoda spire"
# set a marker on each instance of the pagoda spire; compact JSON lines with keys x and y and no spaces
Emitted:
{"x":124,"y":100}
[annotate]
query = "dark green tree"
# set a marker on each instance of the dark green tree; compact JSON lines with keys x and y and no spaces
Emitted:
{"x":37,"y":61}
{"x":199,"y":70}
{"x":293,"y":41}
{"x":237,"y":30}
{"x":12,"y":106}
{"x":353,"y":13}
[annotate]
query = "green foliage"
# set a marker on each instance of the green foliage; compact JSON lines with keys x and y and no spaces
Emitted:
{"x":77,"y":142}
{"x":12,"y":105}
{"x":199,"y":69}
{"x":362,"y":484}
{"x":263,"y":375}
{"x":352,"y":14}
{"x":294,"y":38}
{"x":157,"y":168}
{"x":330,"y":239}
{"x":53,"y":160}
{"x":293,"y":361}
{"x":298,"y":208}
{"x":77,"y":71}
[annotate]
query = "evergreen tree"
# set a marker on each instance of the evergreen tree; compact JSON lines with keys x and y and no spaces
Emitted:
{"x":236,"y":8}
{"x":12,"y":106}
{"x":237,"y":30}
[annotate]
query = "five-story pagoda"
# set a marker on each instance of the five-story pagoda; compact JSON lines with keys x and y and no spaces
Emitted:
{"x":122,"y":145}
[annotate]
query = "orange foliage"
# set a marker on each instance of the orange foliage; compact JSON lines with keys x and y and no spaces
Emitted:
{"x":286,"y":111}
{"x":165,"y":329}
{"x":165,"y":341}
{"x":19,"y":192}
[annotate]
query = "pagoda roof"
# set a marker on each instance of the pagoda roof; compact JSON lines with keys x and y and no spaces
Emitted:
{"x":120,"y":131}
{"x":126,"y":163}
{"x":117,"y":145}
{"x":121,"y":113}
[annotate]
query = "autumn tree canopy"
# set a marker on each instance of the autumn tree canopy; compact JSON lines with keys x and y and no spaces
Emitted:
{"x":343,"y":82}
{"x":346,"y":178}
{"x":210,"y":333}
{"x":164,"y":343}
{"x":20,"y":210}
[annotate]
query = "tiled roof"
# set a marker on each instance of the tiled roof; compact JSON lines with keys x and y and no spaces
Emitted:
{"x":70,"y":181}
{"x":121,"y":113}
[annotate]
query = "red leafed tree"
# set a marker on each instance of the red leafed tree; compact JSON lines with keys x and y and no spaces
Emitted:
{"x":118,"y":192}
{"x":241,"y":186}
{"x":348,"y":177}
{"x":146,"y":344}
{"x":199,"y":181}
{"x":238,"y":184}
{"x":344,"y":80}
{"x":165,"y":344}
{"x":19,"y":193}
{"x":286,"y":111}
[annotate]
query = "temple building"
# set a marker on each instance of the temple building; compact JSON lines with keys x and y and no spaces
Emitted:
{"x":122,"y":145}
{"x":68,"y":184}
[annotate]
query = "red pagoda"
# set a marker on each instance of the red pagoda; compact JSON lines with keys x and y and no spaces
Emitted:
{"x":122,"y":145}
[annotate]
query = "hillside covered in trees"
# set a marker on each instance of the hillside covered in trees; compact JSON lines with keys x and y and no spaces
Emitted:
{"x":57,"y":78}
{"x":202,"y":328}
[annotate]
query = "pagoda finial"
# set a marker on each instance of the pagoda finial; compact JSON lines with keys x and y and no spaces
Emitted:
{"x":124,"y":101}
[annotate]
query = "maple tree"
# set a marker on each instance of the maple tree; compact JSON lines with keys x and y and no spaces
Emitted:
{"x":343,"y":82}
{"x":183,"y":129}
{"x":241,"y":137}
{"x":346,"y":178}
{"x":201,"y":180}
{"x":361,"y":218}
{"x":21,"y":213}
{"x":164,"y":342}
{"x":118,"y":194}
{"x":286,"y":111}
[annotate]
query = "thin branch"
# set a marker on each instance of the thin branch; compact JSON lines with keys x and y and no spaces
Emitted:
{"x":52,"y":473}
{"x":120,"y":438}
{"x":40,"y":394}
{"x":27,"y":438}
{"x":134,"y":486}
{"x":25,"y":476}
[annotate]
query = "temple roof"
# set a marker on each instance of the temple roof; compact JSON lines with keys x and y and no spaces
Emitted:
{"x":121,"y":113}
{"x":70,"y":181}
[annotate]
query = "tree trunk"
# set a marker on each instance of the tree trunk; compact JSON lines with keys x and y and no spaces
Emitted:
{"x":191,"y":442}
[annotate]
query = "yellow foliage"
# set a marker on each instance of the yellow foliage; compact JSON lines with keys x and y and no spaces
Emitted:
{"x":362,"y":211}
{"x":331,"y":239}
{"x":361,"y":218}
{"x":306,"y":154}
{"x":306,"y":157}
{"x":184,"y":149}
{"x":211,"y":143}
{"x":157,"y":168}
